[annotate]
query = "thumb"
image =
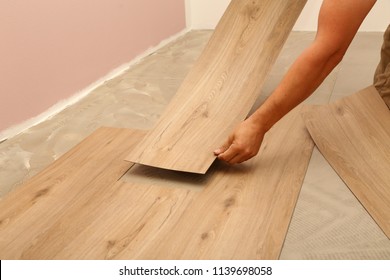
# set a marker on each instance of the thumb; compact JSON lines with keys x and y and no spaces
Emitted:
{"x":224,"y":147}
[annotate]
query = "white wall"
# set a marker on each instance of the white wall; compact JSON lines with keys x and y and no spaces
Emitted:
{"x":205,"y":14}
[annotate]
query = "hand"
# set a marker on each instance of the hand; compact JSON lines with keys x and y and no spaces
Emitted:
{"x":243,"y":144}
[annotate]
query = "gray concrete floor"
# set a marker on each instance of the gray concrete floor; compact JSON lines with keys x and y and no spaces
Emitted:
{"x":328,"y":222}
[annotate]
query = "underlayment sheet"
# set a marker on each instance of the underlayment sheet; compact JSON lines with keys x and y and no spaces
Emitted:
{"x":329,"y":223}
{"x":221,"y":87}
{"x":353,"y":134}
{"x":90,"y":204}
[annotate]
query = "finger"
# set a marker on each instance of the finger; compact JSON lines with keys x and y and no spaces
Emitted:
{"x":239,"y":158}
{"x":223,"y":148}
{"x":229,"y":154}
{"x":234,"y":159}
{"x":219,"y":151}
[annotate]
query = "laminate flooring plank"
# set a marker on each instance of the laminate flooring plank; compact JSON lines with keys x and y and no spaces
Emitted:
{"x":148,"y":204}
{"x":79,"y":177}
{"x":221,"y":87}
{"x":232,"y":212}
{"x":132,"y":217}
{"x":244,"y":211}
{"x":353,"y":134}
{"x":107,"y":208}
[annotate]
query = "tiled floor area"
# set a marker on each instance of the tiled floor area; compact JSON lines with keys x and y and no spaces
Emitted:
{"x":328,"y":222}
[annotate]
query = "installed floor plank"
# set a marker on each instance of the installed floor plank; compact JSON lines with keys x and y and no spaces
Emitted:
{"x":132,"y":217}
{"x":94,"y":205}
{"x":353,"y":134}
{"x":221,"y":87}
{"x":229,"y":213}
{"x":76,"y":181}
{"x":245,"y":210}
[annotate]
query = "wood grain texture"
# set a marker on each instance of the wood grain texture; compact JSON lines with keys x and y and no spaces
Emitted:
{"x":221,"y":87}
{"x":78,"y":179}
{"x":90,"y":204}
{"x":353,"y":134}
{"x":247,"y":208}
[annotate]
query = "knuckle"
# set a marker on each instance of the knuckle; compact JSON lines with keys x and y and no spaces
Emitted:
{"x":248,"y":152}
{"x":240,"y":147}
{"x":222,"y":157}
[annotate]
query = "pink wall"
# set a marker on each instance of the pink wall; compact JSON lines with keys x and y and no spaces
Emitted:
{"x":51,"y":49}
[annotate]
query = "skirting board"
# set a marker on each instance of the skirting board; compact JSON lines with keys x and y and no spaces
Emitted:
{"x":353,"y":134}
{"x":221,"y":87}
{"x":91,"y":204}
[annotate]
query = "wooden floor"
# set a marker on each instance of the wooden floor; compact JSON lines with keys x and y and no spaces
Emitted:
{"x":91,"y":204}
{"x":221,"y":87}
{"x":353,"y":134}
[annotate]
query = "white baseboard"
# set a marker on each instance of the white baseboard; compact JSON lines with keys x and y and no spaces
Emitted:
{"x":61,"y":105}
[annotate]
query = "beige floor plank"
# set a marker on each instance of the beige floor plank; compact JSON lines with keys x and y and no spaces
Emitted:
{"x":221,"y":87}
{"x":353,"y":134}
{"x":30,"y":214}
{"x":232,"y":212}
{"x":131,"y":218}
{"x":244,"y":211}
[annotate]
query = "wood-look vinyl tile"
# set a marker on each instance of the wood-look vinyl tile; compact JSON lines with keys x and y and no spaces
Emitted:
{"x":221,"y":87}
{"x":90,"y":204}
{"x":75,"y":180}
{"x":353,"y":134}
{"x":238,"y":214}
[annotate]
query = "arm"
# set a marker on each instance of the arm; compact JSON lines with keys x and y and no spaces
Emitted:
{"x":338,"y":23}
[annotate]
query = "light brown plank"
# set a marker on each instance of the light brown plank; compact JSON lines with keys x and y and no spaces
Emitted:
{"x":245,"y":210}
{"x":222,"y":86}
{"x":77,"y":178}
{"x":240,"y":212}
{"x":132,"y":217}
{"x":353,"y":134}
{"x":89,"y":211}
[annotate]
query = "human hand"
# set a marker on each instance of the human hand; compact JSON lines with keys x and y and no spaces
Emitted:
{"x":243,"y":144}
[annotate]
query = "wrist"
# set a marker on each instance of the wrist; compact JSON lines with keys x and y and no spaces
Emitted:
{"x":265,"y":117}
{"x":257,"y":123}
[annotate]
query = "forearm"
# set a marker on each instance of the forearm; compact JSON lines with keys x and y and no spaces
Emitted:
{"x":302,"y":79}
{"x":337,"y":25}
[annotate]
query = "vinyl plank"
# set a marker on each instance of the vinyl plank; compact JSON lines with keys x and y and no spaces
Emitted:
{"x":79,"y":177}
{"x":103,"y":207}
{"x":244,"y":211}
{"x":232,"y":212}
{"x":353,"y":134}
{"x":221,"y":87}
{"x":132,"y":217}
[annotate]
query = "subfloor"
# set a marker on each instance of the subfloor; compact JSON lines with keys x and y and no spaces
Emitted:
{"x":328,"y":222}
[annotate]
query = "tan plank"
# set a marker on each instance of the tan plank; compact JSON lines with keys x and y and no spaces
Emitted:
{"x":77,"y":178}
{"x":246,"y":209}
{"x":239,"y":212}
{"x":132,"y":217}
{"x":221,"y":87}
{"x":353,"y":134}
